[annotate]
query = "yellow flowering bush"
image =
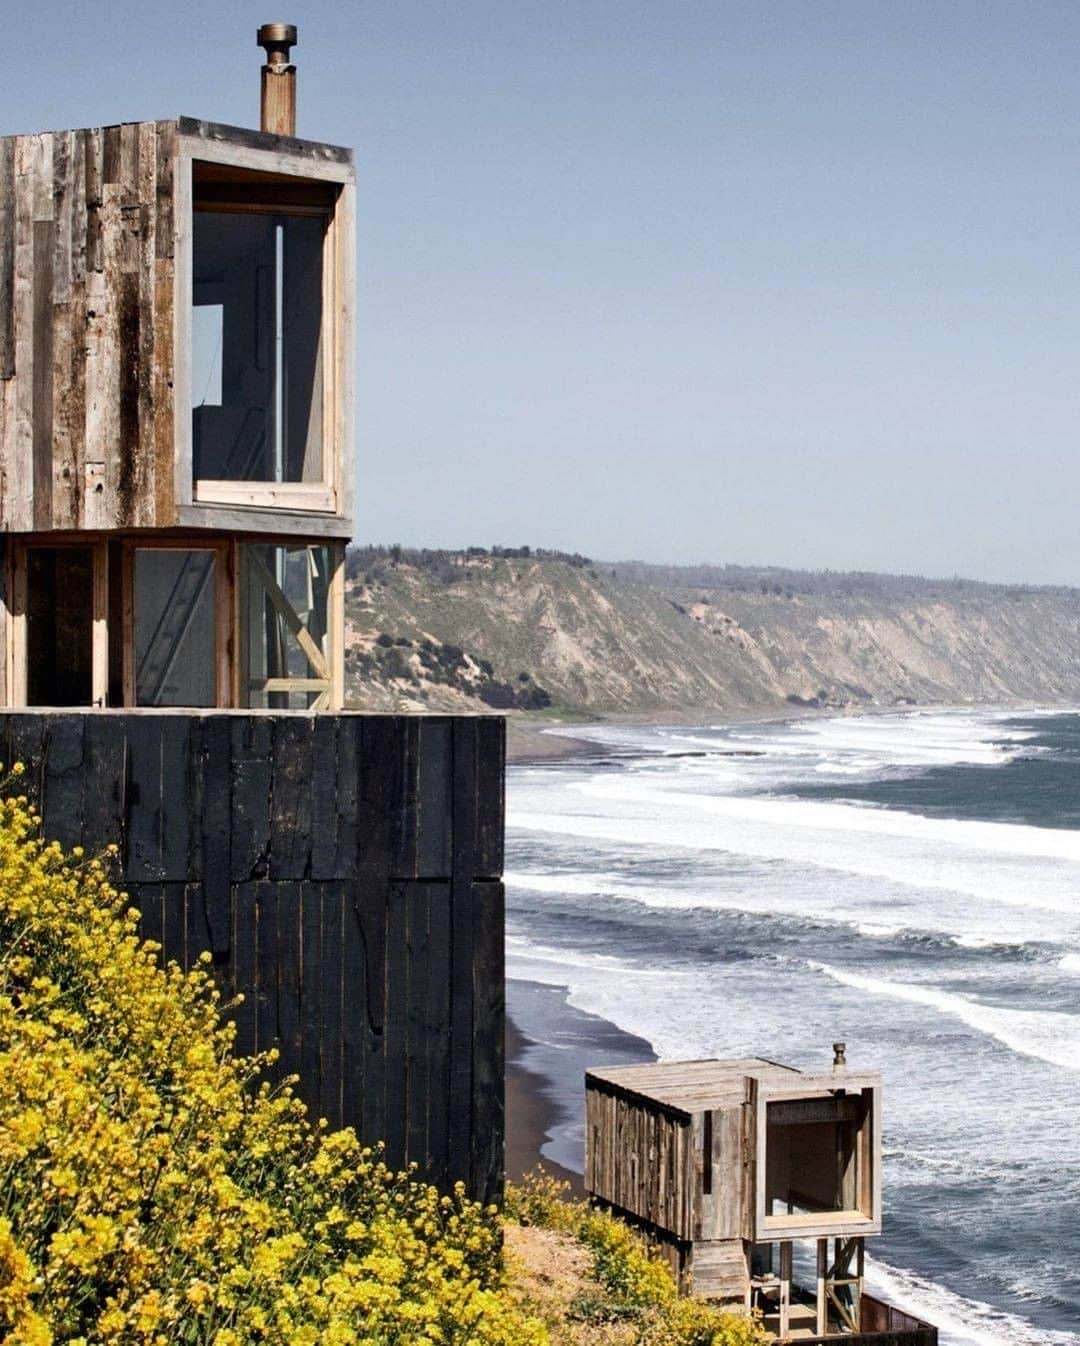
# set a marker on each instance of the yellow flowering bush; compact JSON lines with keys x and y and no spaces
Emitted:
{"x":639,"y":1283}
{"x":153,"y":1191}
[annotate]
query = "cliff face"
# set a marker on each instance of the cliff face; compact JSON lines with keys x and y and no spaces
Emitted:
{"x":496,"y":632}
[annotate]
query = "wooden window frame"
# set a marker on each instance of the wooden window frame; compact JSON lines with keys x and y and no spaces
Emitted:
{"x":199,"y":502}
{"x":865,"y":1218}
{"x":225,"y":614}
{"x":330,"y":686}
{"x":17,"y":648}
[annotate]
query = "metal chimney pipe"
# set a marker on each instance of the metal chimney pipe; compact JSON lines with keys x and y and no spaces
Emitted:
{"x":839,"y":1058}
{"x":277,"y":104}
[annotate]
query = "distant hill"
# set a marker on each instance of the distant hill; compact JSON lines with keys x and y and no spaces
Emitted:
{"x":515,"y":629}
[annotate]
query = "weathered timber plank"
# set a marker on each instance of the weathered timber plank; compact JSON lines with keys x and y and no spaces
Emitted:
{"x":103,"y":784}
{"x":61,"y":795}
{"x":174,"y":924}
{"x":179,"y":820}
{"x":417,"y":900}
{"x":144,"y":816}
{"x":289,"y":148}
{"x":434,"y":807}
{"x":213,"y":862}
{"x":371,"y":911}
{"x":439,"y":1101}
{"x":488,"y":1041}
{"x":249,"y":841}
{"x":315,"y":983}
{"x":7,"y":257}
{"x":266,"y":966}
{"x":396,"y":1063}
{"x":461,"y":949}
{"x":145,"y":484}
{"x":42,"y":391}
{"x":287,"y":955}
{"x":490,"y":795}
{"x":19,"y":498}
{"x":324,"y":796}
{"x":244,"y":965}
{"x":290,"y":802}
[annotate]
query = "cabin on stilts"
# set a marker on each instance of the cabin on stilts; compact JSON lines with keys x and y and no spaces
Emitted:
{"x":176,"y":369}
{"x":747,"y":1174}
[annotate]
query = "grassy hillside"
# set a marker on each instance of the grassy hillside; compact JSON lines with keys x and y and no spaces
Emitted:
{"x":469,"y":630}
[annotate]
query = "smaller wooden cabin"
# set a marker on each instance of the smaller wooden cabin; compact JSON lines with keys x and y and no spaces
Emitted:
{"x":729,"y":1164}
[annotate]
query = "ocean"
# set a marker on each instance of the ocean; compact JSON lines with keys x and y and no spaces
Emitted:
{"x":909,"y":883}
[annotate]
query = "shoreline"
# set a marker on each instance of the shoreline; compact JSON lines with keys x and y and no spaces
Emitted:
{"x":549,"y":1045}
{"x":537,"y":740}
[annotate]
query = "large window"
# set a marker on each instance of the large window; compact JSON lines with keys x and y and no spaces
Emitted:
{"x":261,"y":339}
{"x":818,"y":1159}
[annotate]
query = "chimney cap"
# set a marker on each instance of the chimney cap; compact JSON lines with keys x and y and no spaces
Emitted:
{"x":277,"y":37}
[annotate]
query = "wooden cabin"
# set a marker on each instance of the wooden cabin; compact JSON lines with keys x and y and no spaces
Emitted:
{"x":729,"y":1165}
{"x":176,"y":454}
{"x":176,"y":356}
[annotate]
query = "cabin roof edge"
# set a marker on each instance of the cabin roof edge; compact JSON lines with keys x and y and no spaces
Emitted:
{"x":245,"y":138}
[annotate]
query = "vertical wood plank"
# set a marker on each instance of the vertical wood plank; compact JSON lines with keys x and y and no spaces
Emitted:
{"x":287,"y":956}
{"x":7,"y":257}
{"x":315,"y":984}
{"x":174,"y":924}
{"x":145,"y":484}
{"x":434,"y":806}
{"x":142,"y":799}
{"x":59,"y":467}
{"x":490,"y":795}
{"x":215,"y":831}
{"x":245,"y":940}
{"x":266,"y":966}
{"x":61,"y":795}
{"x":417,"y":978}
{"x":103,"y":782}
{"x":396,"y":1062}
{"x":439,"y":1102}
{"x":249,"y":839}
{"x":20,"y":481}
{"x":489,"y":1039}
{"x":462,"y":950}
{"x":42,"y":417}
{"x":290,"y":801}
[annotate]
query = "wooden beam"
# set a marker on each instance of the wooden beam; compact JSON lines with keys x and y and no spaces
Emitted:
{"x":290,"y":618}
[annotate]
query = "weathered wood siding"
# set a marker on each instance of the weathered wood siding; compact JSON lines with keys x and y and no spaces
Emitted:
{"x":343,"y":871}
{"x":86,"y":328}
{"x":640,"y":1159}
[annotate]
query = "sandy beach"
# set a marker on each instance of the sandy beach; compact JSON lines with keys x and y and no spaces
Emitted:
{"x":549,"y":1045}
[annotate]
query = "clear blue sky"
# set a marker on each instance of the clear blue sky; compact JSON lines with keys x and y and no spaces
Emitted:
{"x":678,"y":279}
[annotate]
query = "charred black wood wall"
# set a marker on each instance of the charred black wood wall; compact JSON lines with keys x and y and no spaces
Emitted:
{"x":344,"y":872}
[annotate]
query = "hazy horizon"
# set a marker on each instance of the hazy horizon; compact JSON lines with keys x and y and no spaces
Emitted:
{"x":800,"y":281}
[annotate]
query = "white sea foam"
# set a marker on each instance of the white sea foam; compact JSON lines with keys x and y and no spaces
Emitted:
{"x":1046,"y":1035}
{"x":960,"y":1321}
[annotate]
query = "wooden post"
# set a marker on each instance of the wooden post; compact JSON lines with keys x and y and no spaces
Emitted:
{"x":822,"y":1268}
{"x":785,"y":1287}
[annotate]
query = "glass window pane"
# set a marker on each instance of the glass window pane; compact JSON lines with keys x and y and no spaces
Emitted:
{"x":262,"y":273}
{"x":60,"y":601}
{"x":175,"y":628}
